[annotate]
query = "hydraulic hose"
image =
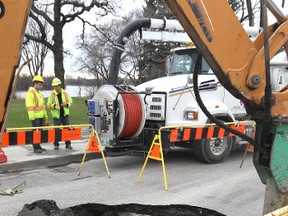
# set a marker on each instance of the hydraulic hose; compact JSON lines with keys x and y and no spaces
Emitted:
{"x":210,"y":116}
{"x":268,"y":90}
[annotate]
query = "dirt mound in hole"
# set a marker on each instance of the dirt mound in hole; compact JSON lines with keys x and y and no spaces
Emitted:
{"x":49,"y":208}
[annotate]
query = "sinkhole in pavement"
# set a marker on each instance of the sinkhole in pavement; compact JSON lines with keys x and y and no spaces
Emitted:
{"x":49,"y":207}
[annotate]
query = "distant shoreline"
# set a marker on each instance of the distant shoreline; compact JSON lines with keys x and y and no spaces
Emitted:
{"x":74,"y":91}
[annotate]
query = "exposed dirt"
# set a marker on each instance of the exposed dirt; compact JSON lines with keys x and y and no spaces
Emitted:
{"x":50,"y":208}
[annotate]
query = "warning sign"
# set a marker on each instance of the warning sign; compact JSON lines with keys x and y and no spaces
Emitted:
{"x":93,"y":145}
{"x":71,"y":134}
{"x":155,"y":153}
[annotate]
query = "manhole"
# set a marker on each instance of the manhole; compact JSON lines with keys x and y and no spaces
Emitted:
{"x":64,"y":170}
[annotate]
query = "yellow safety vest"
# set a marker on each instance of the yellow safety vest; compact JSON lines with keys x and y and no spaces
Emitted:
{"x":53,"y":101}
{"x":35,"y":104}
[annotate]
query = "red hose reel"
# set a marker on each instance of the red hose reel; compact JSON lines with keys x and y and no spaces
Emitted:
{"x":133,"y":115}
{"x":130,"y":111}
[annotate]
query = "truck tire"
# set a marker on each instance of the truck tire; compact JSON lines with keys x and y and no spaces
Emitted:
{"x":214,"y":150}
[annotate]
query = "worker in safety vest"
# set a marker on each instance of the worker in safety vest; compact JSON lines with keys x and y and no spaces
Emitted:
{"x":59,"y":102}
{"x":35,"y":106}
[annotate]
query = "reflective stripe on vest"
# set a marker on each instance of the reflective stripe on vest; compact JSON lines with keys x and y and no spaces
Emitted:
{"x":35,"y":108}
{"x":35,"y":97}
{"x":65,"y":97}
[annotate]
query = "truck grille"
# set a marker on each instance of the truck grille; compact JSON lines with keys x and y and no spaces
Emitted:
{"x":155,"y":115}
{"x":156,"y":107}
{"x":156,"y":99}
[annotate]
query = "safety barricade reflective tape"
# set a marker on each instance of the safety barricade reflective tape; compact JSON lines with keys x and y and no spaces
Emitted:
{"x":188,"y":134}
{"x":40,"y":136}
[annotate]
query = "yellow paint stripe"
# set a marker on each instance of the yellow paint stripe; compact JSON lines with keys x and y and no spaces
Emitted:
{"x":187,"y":91}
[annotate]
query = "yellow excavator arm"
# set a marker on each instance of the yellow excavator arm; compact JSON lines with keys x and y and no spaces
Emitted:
{"x":235,"y":59}
{"x":13,"y":18}
{"x":241,"y":66}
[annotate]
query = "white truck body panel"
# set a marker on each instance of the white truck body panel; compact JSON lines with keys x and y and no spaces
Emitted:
{"x":180,"y":98}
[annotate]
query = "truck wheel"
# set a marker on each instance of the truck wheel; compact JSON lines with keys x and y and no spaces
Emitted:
{"x":214,"y":150}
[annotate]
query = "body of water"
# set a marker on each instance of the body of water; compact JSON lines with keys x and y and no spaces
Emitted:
{"x":73,"y":91}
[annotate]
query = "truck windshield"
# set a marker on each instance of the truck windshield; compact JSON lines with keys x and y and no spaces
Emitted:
{"x":183,"y":62}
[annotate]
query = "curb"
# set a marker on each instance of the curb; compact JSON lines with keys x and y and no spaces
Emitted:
{"x":46,"y":162}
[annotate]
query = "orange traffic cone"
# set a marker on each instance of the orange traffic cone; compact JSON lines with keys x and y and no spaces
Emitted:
{"x":3,"y":157}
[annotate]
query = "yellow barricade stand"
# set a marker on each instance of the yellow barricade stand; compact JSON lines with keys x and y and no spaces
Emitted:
{"x":93,"y":145}
{"x":155,"y":153}
{"x":190,"y":132}
{"x":44,"y":134}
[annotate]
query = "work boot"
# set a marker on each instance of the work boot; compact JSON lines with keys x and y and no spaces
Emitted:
{"x":43,"y":149}
{"x":38,"y":150}
{"x":56,"y":147}
{"x":69,"y":147}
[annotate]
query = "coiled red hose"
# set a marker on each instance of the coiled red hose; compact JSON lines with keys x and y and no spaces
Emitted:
{"x":133,"y":115}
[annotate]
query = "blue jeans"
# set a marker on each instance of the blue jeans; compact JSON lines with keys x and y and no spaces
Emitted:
{"x":37,"y":123}
{"x":62,"y":121}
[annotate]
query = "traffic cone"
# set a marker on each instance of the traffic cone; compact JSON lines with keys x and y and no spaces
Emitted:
{"x":3,"y":157}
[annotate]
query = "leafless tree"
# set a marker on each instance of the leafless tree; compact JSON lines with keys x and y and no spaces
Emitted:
{"x":250,"y":13}
{"x":98,"y":47}
{"x":57,"y":13}
{"x":245,"y":10}
{"x":33,"y":51}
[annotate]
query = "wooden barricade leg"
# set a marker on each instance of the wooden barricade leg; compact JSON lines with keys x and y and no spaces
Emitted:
{"x":155,"y":153}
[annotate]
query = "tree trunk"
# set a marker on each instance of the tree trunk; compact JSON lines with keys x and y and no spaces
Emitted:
{"x":250,"y":13}
{"x":58,"y":43}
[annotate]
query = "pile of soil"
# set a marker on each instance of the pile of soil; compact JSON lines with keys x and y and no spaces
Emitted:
{"x":50,"y":208}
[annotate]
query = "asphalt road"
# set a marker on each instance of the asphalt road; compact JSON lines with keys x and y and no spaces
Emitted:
{"x":222,"y":187}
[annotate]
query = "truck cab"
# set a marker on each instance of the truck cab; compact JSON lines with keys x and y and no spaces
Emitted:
{"x":180,"y":107}
{"x":171,"y":102}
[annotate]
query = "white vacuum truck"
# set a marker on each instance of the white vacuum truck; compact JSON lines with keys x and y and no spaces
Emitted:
{"x":127,"y":118}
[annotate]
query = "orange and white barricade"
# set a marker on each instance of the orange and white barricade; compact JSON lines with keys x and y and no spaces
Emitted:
{"x":172,"y":134}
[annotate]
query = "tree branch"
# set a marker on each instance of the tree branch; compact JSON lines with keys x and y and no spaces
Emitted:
{"x":39,"y":40}
{"x":82,"y":8}
{"x":43,"y":14}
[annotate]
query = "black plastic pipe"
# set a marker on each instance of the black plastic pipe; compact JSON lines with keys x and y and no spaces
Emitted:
{"x":119,"y":46}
